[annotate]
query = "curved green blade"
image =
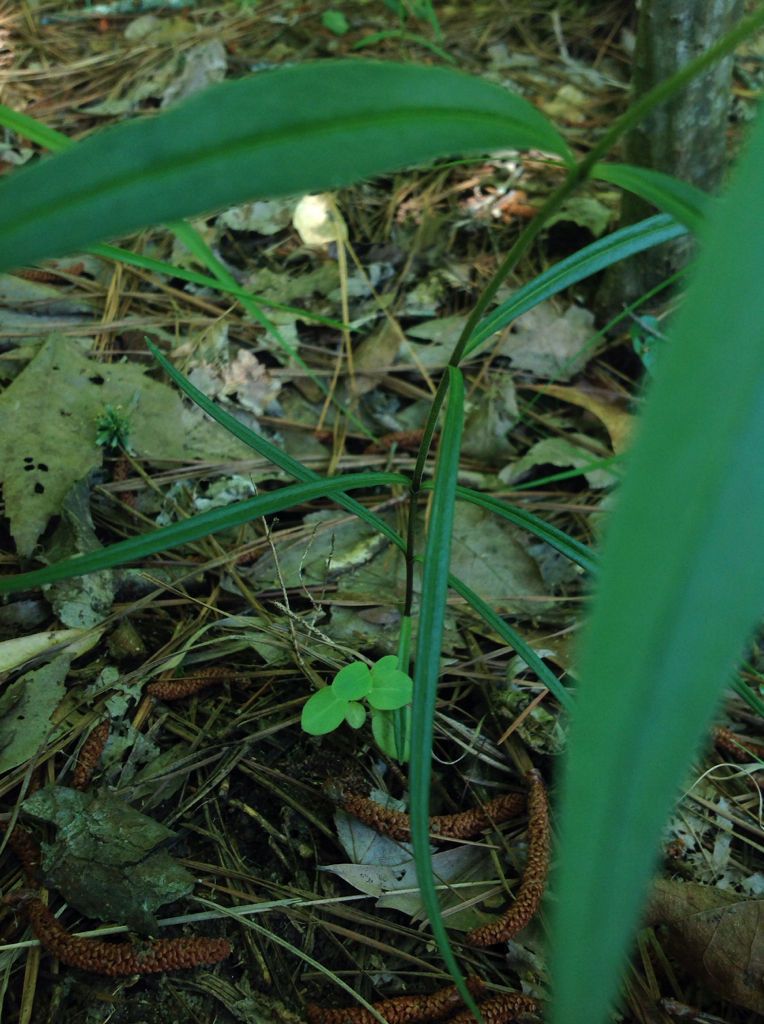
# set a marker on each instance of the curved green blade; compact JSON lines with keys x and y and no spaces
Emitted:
{"x":435,"y":578}
{"x":688,"y":204}
{"x":681,"y":587}
{"x":587,"y":261}
{"x":297,"y":129}
{"x":197,"y":526}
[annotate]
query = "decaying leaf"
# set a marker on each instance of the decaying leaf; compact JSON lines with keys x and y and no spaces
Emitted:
{"x":104,"y":859}
{"x":616,"y":420}
{"x":84,"y":601}
{"x":384,"y":868}
{"x":26,"y":709}
{"x":718,"y":936}
{"x":43,"y":456}
{"x":549,"y":344}
{"x":15,"y":653}
{"x":562,"y":452}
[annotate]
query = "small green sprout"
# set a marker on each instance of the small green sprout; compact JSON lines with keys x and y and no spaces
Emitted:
{"x":384,"y":687}
{"x":335,"y":21}
{"x":113,"y":428}
{"x":647,"y":340}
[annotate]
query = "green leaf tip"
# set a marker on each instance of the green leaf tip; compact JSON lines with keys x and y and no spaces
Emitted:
{"x":306,"y":128}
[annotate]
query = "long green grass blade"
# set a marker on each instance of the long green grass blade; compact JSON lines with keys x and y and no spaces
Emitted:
{"x":299,"y":129}
{"x":558,"y":539}
{"x":427,"y":664}
{"x":681,"y":588}
{"x":135,"y":259}
{"x":688,"y":204}
{"x":300,"y":472}
{"x":267,"y":450}
{"x":194,"y":242}
{"x":513,"y":638}
{"x":587,"y":261}
{"x":197,"y":526}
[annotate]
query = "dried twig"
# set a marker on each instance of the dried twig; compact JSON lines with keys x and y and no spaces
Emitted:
{"x":534,"y":879}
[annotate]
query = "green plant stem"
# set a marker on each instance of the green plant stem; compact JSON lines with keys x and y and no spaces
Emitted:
{"x":576,"y":176}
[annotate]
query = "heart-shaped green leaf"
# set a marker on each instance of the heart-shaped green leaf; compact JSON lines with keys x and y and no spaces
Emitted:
{"x":353,"y":681}
{"x":391,"y":688}
{"x":323,"y":712}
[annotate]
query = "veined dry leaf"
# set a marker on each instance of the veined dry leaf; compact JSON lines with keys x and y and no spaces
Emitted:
{"x":547,"y":343}
{"x":717,"y":935}
{"x":43,"y":456}
{"x":106,"y":858}
{"x":374,"y":352}
{"x":616,"y":420}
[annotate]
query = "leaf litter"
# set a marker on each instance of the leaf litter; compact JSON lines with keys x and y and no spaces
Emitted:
{"x":228,"y":770}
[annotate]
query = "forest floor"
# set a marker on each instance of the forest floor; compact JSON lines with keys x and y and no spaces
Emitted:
{"x":240,"y":836}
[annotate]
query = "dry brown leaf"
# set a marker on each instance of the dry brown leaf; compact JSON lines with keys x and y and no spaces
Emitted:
{"x":717,"y":935}
{"x":616,"y":421}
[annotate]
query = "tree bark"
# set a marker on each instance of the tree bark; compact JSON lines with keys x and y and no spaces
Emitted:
{"x":685,"y":136}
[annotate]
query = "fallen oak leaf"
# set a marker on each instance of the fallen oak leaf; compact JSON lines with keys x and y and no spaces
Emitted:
{"x":717,"y":935}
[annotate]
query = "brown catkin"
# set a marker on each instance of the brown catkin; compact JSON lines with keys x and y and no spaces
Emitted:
{"x":26,"y":849}
{"x":401,"y":1009}
{"x":119,"y":958}
{"x":406,"y":439}
{"x":531,"y":889}
{"x":732,"y":743}
{"x":90,"y":754}
{"x":463,"y":825}
{"x":500,"y":1009}
{"x":186,"y":686}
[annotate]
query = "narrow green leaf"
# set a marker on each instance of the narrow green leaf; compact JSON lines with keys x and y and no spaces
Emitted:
{"x":681,"y":588}
{"x":198,"y":526}
{"x":587,"y":261}
{"x":299,"y":129}
{"x":427,"y":665}
{"x":300,"y":472}
{"x":515,"y":641}
{"x":688,"y":204}
{"x":267,"y":450}
{"x":558,"y":539}
{"x":135,"y":259}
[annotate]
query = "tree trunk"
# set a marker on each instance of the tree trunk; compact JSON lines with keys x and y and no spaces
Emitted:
{"x":685,"y":136}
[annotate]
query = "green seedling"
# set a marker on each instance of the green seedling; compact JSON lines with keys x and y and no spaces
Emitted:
{"x":384,"y":687}
{"x":647,"y":340}
{"x":335,"y":21}
{"x":113,"y":429}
